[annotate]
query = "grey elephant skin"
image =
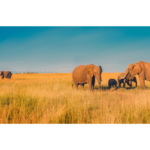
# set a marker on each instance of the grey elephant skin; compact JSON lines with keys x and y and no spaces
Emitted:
{"x":112,"y":82}
{"x":5,"y":74}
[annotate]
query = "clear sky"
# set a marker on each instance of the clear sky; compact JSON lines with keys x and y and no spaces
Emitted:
{"x":61,"y":49}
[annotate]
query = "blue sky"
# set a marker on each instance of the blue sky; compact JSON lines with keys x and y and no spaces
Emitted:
{"x":61,"y":49}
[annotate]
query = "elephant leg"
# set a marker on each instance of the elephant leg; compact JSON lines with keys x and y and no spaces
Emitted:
{"x":124,"y":85}
{"x":142,"y":82}
{"x":76,"y":85}
{"x":124,"y":81}
{"x":82,"y":85}
{"x":135,"y":82}
{"x":131,"y":84}
{"x":119,"y":84}
{"x":93,"y":82}
{"x":90,"y":83}
{"x":90,"y":86}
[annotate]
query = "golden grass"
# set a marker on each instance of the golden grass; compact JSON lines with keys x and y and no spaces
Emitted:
{"x":50,"y":98}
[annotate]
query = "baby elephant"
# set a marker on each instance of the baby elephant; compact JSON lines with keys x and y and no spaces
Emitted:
{"x":112,"y":82}
{"x":128,"y":80}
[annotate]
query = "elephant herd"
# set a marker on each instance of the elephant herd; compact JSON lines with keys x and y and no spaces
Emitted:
{"x":87,"y":74}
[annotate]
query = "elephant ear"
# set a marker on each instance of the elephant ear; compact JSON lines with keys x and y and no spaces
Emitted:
{"x":141,"y":65}
{"x":136,"y":69}
{"x":128,"y":70}
{"x":100,"y":69}
{"x":90,"y":71}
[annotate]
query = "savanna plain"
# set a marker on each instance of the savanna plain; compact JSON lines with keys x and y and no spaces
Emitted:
{"x":50,"y":98}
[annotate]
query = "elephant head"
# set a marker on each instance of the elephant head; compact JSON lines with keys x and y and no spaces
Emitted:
{"x":96,"y":72}
{"x":133,"y":69}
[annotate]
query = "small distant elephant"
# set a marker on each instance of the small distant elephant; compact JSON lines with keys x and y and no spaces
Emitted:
{"x":127,"y":80}
{"x":5,"y":74}
{"x":112,"y":82}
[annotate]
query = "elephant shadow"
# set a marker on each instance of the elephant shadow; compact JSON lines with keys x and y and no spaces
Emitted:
{"x":146,"y":87}
{"x":105,"y":88}
{"x":115,"y":88}
{"x":102,"y":88}
{"x":129,"y":88}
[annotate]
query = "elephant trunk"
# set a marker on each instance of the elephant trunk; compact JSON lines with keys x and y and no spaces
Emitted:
{"x":99,"y":82}
{"x":126,"y":74}
{"x":122,"y":77}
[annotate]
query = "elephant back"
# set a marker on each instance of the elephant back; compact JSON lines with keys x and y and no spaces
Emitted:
{"x":78,"y":69}
{"x":79,"y":72}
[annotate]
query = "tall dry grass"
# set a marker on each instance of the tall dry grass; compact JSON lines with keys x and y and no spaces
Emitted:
{"x":50,"y":98}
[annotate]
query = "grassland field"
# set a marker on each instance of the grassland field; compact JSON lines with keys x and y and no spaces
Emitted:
{"x":50,"y":98}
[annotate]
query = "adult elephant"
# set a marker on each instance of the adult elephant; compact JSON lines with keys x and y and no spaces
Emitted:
{"x":86,"y":74}
{"x":142,"y":69}
{"x":127,"y":80}
{"x":5,"y":74}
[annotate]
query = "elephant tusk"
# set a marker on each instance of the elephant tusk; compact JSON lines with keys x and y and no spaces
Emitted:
{"x":122,"y":77}
{"x":98,"y":83}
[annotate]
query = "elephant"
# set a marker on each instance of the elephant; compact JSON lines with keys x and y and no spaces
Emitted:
{"x":86,"y":74}
{"x":5,"y":74}
{"x":142,"y":69}
{"x":127,"y":80}
{"x":112,"y":82}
